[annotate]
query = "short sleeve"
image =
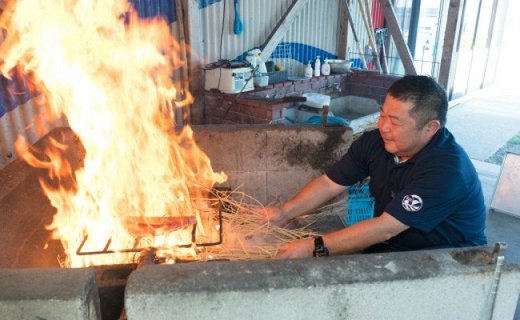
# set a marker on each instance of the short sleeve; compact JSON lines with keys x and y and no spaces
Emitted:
{"x":352,"y":167}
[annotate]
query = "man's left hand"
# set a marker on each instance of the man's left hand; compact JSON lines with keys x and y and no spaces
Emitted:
{"x":301,"y":248}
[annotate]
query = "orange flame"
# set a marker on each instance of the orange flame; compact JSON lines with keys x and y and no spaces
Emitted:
{"x":111,"y":78}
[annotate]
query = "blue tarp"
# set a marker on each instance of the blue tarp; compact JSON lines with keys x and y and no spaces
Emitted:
{"x":297,"y":51}
{"x":205,"y":3}
{"x":155,"y":8}
{"x":14,"y":93}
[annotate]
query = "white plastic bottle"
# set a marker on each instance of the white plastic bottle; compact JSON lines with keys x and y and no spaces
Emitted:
{"x":325,"y":68}
{"x":308,"y":70}
{"x":317,"y":67}
{"x":261,"y":65}
{"x":251,"y":58}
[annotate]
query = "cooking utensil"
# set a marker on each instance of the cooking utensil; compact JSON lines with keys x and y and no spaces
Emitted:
{"x":142,"y":226}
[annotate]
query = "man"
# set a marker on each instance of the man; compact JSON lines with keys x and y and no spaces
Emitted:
{"x":427,"y":191}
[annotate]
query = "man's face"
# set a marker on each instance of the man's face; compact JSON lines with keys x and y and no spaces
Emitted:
{"x":399,"y":130}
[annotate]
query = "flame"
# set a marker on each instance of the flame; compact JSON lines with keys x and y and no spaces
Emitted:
{"x":109,"y":73}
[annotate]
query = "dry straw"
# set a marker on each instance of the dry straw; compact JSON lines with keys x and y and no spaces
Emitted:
{"x":247,"y":235}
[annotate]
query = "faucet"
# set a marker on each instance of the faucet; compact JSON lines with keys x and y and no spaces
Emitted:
{"x":335,"y":86}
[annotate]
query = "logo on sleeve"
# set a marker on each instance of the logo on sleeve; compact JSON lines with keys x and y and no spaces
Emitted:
{"x":412,"y":203}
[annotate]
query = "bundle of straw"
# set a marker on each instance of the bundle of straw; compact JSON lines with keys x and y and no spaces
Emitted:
{"x":249,"y":236}
{"x":246,"y":233}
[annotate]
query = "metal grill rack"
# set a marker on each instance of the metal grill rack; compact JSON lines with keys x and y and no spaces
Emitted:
{"x":136,"y":248}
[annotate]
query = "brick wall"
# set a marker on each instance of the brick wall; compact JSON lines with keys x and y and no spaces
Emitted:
{"x":261,"y":107}
{"x":368,"y":85}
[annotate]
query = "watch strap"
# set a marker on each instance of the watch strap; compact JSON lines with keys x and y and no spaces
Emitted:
{"x":320,"y":250}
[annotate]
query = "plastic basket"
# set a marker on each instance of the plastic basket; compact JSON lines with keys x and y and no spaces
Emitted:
{"x":360,"y":204}
{"x":359,"y":210}
{"x":277,"y":76}
{"x":359,"y":191}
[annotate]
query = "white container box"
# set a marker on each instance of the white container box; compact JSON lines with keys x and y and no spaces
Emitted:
{"x":229,"y":80}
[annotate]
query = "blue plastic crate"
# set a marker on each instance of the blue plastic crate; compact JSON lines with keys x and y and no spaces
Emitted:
{"x":360,"y":205}
{"x":359,"y":210}
{"x":359,"y":191}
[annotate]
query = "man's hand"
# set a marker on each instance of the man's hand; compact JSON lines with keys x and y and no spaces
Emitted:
{"x":309,"y":197}
{"x":275,"y":215}
{"x":301,"y":248}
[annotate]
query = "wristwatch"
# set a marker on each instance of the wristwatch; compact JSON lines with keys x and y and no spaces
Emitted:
{"x":319,"y":248}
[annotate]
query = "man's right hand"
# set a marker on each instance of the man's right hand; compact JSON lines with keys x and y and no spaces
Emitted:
{"x":310,"y":197}
{"x":275,"y":215}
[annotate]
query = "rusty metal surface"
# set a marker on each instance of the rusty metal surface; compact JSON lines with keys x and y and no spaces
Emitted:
{"x":25,"y":211}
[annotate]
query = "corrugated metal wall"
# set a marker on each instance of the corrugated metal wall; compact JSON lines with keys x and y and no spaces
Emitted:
{"x":28,"y":120}
{"x":313,"y":32}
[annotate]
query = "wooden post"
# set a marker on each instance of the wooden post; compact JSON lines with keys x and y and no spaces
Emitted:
{"x":281,"y":28}
{"x":324,"y":115}
{"x":341,"y":43}
{"x":194,"y":53}
{"x":397,"y":35}
{"x":185,"y":81}
{"x":449,"y":50}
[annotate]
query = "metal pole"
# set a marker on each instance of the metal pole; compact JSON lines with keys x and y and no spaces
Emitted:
{"x":370,"y":32}
{"x":350,"y":21}
{"x":498,"y":258}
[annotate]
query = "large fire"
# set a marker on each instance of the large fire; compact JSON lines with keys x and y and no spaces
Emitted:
{"x":110,"y":74}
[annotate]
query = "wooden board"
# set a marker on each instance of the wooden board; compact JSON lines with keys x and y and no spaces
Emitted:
{"x":506,"y":198}
{"x":397,"y":35}
{"x":281,"y":28}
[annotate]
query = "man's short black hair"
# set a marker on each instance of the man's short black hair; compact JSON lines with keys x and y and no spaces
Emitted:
{"x":429,"y":99}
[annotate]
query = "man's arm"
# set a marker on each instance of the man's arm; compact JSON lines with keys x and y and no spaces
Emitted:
{"x":348,"y":240}
{"x":309,"y":197}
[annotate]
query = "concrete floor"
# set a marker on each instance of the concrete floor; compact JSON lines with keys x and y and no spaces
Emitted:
{"x":482,"y":124}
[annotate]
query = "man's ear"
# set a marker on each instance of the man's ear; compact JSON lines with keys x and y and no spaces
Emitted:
{"x":433,"y":126}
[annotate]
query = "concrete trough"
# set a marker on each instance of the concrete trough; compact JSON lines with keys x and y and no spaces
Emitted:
{"x":68,"y":294}
{"x":269,"y":163}
{"x":438,"y":284}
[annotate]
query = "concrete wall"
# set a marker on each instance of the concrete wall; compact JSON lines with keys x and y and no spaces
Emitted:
{"x":68,"y":294}
{"x":266,"y":162}
{"x":413,"y":285}
{"x":272,"y":162}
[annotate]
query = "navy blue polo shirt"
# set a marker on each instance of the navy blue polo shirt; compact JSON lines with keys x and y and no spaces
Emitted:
{"x":436,"y":193}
